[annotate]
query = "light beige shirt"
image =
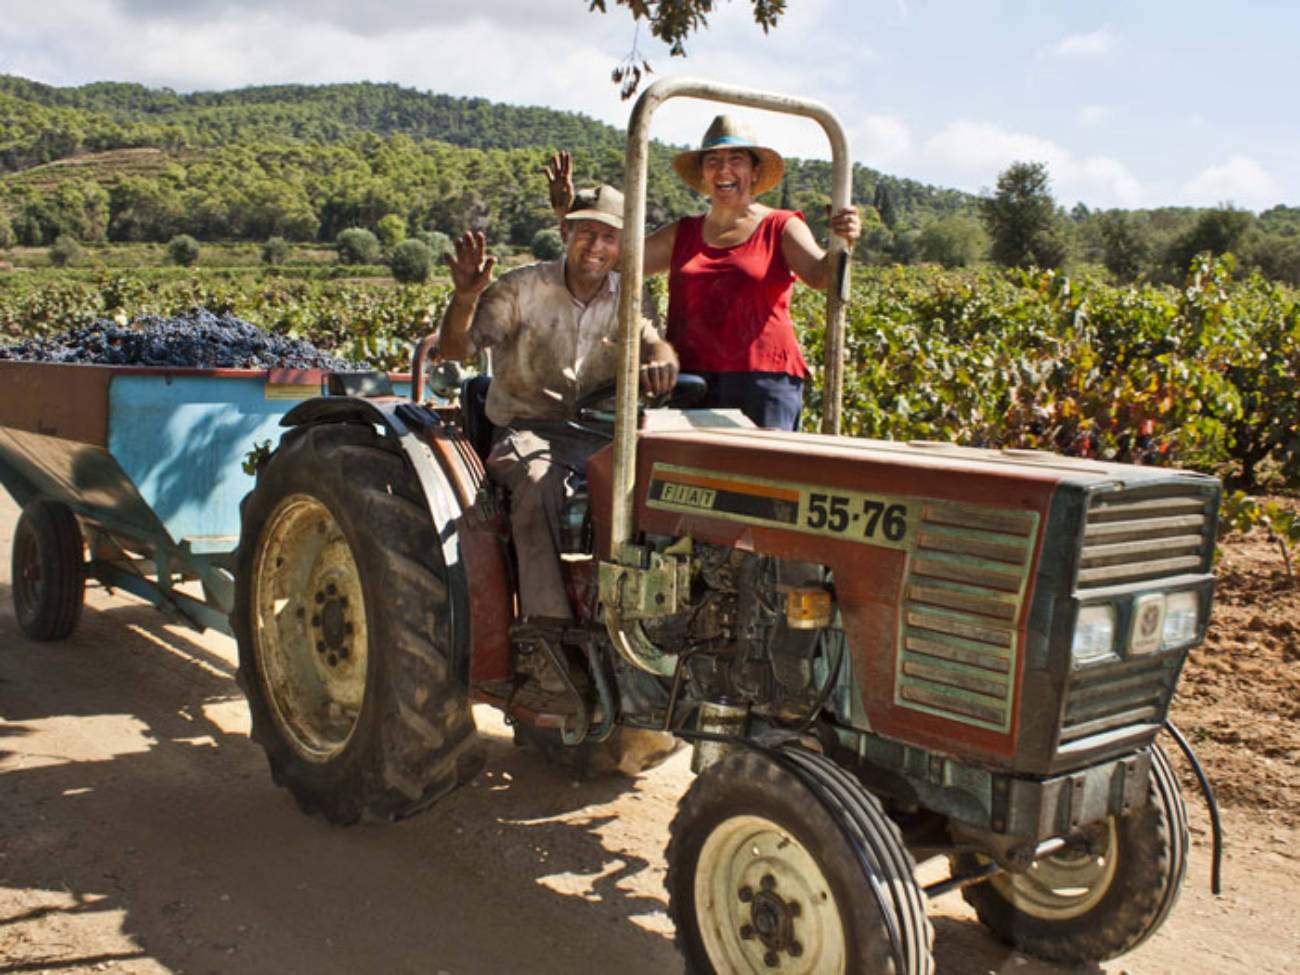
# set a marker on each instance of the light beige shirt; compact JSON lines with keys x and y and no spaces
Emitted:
{"x":548,"y":348}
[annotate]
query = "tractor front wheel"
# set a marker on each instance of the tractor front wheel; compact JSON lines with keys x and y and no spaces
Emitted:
{"x":783,"y":862}
{"x":1103,"y":895}
{"x":355,"y":674}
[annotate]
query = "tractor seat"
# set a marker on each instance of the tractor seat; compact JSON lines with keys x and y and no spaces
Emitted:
{"x":473,"y":407}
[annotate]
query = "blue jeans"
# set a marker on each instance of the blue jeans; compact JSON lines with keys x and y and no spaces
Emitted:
{"x":770,"y":399}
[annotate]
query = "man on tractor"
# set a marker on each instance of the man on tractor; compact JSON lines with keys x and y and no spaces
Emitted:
{"x":553,"y":330}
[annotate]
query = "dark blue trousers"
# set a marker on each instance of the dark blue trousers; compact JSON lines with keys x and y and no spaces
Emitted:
{"x":771,"y":399}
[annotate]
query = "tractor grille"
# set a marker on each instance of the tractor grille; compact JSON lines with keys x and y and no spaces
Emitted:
{"x":1146,"y":533}
{"x":961,"y":601}
{"x":1099,"y":700}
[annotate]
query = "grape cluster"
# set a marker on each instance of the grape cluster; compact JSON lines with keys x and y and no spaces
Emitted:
{"x":199,"y":339}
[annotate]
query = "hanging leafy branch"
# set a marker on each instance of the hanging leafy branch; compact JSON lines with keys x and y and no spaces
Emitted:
{"x":673,"y":21}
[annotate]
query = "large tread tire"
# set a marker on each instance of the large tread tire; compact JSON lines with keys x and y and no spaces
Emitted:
{"x":48,"y":570}
{"x":863,"y":887}
{"x":1151,"y":845}
{"x":627,"y":751}
{"x":412,"y":738}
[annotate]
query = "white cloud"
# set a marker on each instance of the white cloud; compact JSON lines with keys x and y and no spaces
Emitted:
{"x":979,"y":151}
{"x":1239,"y":180}
{"x":374,"y":18}
{"x":521,"y":59}
{"x":1097,"y":43}
{"x":878,"y":140}
{"x":978,"y":147}
{"x":1094,"y":115}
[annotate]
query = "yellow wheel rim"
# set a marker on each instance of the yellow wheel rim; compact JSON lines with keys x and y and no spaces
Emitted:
{"x":1067,"y":884}
{"x":310,"y":628}
{"x":763,"y":904}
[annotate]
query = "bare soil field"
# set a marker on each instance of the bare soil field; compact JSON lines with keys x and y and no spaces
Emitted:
{"x":140,"y":831}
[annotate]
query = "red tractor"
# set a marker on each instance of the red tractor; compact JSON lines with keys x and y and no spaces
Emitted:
{"x":880,"y":652}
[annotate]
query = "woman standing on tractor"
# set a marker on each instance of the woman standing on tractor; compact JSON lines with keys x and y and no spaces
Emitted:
{"x":731,"y":272}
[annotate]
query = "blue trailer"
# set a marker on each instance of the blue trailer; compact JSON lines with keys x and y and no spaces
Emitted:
{"x":133,"y":476}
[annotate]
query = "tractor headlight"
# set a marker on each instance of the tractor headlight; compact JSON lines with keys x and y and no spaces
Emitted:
{"x":1182,"y":610}
{"x":1094,"y":632}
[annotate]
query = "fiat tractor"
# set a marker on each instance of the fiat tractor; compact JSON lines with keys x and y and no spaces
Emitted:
{"x":879,"y":653}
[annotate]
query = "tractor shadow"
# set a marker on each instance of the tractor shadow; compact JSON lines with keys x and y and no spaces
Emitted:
{"x":133,"y":800}
{"x":965,"y":947}
{"x":139,"y":821}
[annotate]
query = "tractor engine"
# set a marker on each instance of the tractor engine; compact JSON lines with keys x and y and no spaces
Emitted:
{"x":739,"y":644}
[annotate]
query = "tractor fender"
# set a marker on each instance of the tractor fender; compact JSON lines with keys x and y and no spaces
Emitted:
{"x":473,"y":540}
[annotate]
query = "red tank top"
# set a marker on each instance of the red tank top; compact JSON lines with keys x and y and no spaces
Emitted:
{"x":729,"y":307}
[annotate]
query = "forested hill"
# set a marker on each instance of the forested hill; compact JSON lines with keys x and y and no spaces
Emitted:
{"x":321,"y":113}
{"x":125,"y":162}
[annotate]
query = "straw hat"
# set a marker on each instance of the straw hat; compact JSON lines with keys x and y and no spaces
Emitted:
{"x":603,"y":204}
{"x":726,"y":132}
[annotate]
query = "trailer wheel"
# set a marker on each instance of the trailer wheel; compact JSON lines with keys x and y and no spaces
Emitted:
{"x":1092,"y":903}
{"x":48,"y":570}
{"x":627,"y":751}
{"x":355,"y":675}
{"x":787,"y":863}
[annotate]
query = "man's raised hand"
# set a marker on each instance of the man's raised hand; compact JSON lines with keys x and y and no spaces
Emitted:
{"x":559,"y":174}
{"x":471,"y":267}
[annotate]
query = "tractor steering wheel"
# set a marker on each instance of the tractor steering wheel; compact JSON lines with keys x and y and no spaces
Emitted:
{"x":686,"y":392}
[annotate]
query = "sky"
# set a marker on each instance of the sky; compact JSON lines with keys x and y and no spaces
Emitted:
{"x":1130,"y":104}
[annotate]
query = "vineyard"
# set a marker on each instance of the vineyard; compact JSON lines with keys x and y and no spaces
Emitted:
{"x":1203,"y":376}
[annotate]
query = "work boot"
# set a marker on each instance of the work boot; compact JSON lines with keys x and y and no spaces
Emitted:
{"x":539,"y":668}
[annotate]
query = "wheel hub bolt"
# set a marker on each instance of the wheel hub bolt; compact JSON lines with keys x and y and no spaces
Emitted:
{"x":332,"y":589}
{"x":794,"y":908}
{"x":333,"y":659}
{"x":745,"y":894}
{"x":772,"y":959}
{"x":315,"y":620}
{"x":795,"y":949}
{"x":769,"y":882}
{"x":767,"y":918}
{"x":320,"y":597}
{"x":746,"y":932}
{"x":320,"y":646}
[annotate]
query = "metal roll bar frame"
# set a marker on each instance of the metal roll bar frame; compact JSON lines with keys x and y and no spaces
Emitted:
{"x":629,"y":302}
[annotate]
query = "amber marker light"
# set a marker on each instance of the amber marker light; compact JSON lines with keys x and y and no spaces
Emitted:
{"x":807,"y":608}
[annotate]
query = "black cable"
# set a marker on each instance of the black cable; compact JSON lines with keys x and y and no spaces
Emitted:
{"x":1216,"y":827}
{"x":829,"y":686}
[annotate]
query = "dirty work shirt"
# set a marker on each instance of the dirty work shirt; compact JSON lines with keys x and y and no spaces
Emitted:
{"x":548,"y":347}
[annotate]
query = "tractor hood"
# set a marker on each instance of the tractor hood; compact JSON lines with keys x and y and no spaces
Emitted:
{"x":932,"y":547}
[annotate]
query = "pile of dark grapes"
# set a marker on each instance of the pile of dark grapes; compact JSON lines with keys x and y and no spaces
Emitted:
{"x":197,"y":340}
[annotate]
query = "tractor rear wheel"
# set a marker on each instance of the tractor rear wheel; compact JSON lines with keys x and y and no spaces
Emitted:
{"x":785,"y":862}
{"x":355,"y":673}
{"x":1100,"y":898}
{"x":49,"y":572}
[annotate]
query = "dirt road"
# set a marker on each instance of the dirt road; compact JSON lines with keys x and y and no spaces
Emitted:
{"x":140,"y":833}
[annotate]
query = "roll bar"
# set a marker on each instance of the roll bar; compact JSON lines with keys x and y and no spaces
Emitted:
{"x":629,"y":301}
